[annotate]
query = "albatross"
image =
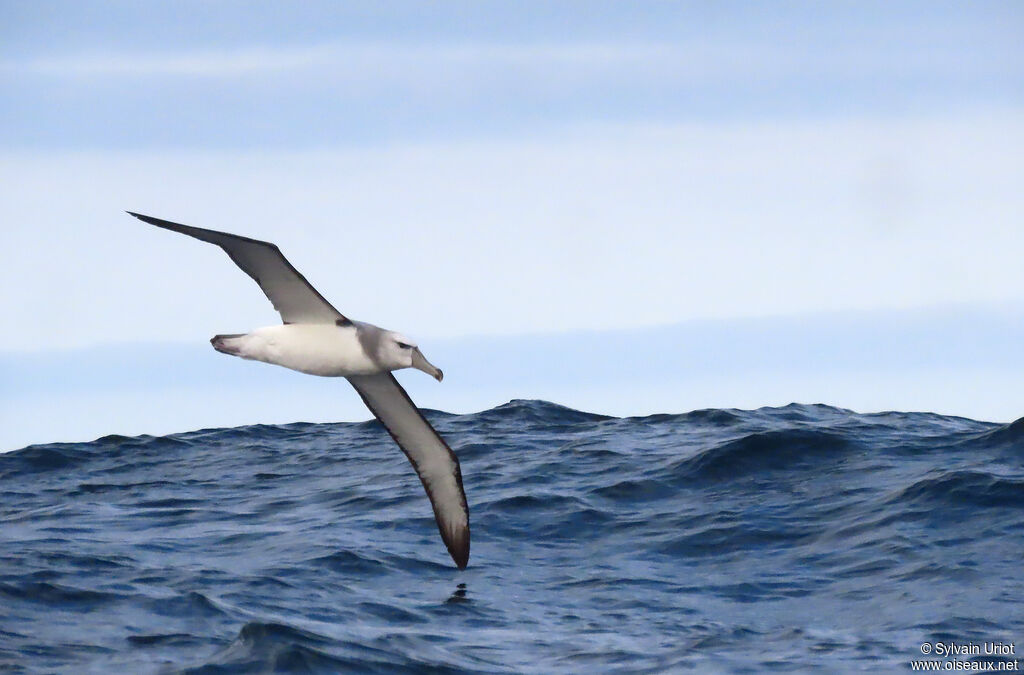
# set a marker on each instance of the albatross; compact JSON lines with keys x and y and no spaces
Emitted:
{"x":317,"y":339}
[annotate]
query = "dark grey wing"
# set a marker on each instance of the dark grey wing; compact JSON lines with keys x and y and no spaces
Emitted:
{"x":292,"y":296}
{"x":434,"y":461}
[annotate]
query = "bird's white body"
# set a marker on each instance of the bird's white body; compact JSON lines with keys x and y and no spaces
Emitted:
{"x":344,"y":349}
{"x":315,"y":349}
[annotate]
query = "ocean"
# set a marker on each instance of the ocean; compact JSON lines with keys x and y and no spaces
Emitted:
{"x":793,"y":539}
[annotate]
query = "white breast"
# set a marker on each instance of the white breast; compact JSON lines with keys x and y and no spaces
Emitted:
{"x":326,"y":350}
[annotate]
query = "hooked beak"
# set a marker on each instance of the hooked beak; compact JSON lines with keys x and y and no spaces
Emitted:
{"x":420,"y":362}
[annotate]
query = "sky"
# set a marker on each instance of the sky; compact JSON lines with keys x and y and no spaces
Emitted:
{"x":483,"y":175}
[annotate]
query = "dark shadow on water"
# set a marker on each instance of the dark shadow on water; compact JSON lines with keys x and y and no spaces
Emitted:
{"x":459,"y":595}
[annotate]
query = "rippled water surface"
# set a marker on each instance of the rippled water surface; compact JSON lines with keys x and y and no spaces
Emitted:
{"x":788,"y":539}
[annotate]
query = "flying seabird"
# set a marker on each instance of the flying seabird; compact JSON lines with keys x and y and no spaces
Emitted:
{"x":317,"y":339}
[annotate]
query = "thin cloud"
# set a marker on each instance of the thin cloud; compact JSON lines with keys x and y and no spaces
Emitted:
{"x":386,"y":58}
{"x":697,"y":60}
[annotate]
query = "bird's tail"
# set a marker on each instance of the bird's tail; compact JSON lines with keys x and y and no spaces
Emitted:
{"x":227,"y":344}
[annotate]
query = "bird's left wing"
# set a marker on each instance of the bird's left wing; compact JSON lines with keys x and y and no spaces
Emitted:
{"x":435,"y":463}
{"x":292,"y":296}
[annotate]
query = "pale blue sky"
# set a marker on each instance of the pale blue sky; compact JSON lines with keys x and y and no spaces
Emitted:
{"x":509,"y":169}
{"x":245,"y":75}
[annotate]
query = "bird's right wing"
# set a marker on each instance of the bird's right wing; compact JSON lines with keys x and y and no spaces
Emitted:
{"x":292,"y":296}
{"x":435,"y":463}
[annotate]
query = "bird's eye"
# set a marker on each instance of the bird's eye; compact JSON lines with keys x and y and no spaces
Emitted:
{"x":404,"y":346}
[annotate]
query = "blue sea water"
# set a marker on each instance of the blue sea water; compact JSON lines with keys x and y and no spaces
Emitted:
{"x":793,"y":539}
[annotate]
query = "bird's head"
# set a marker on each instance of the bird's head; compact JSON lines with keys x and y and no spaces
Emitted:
{"x":401,"y":352}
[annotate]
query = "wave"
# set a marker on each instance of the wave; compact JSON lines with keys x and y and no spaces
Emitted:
{"x":708,"y":540}
{"x":764,"y":452}
{"x":968,"y":488}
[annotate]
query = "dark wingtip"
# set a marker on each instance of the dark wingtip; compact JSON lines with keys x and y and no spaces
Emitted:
{"x":145,"y":219}
{"x":458,"y":548}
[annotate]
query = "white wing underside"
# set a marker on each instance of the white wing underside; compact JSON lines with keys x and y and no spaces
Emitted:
{"x":434,"y":461}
